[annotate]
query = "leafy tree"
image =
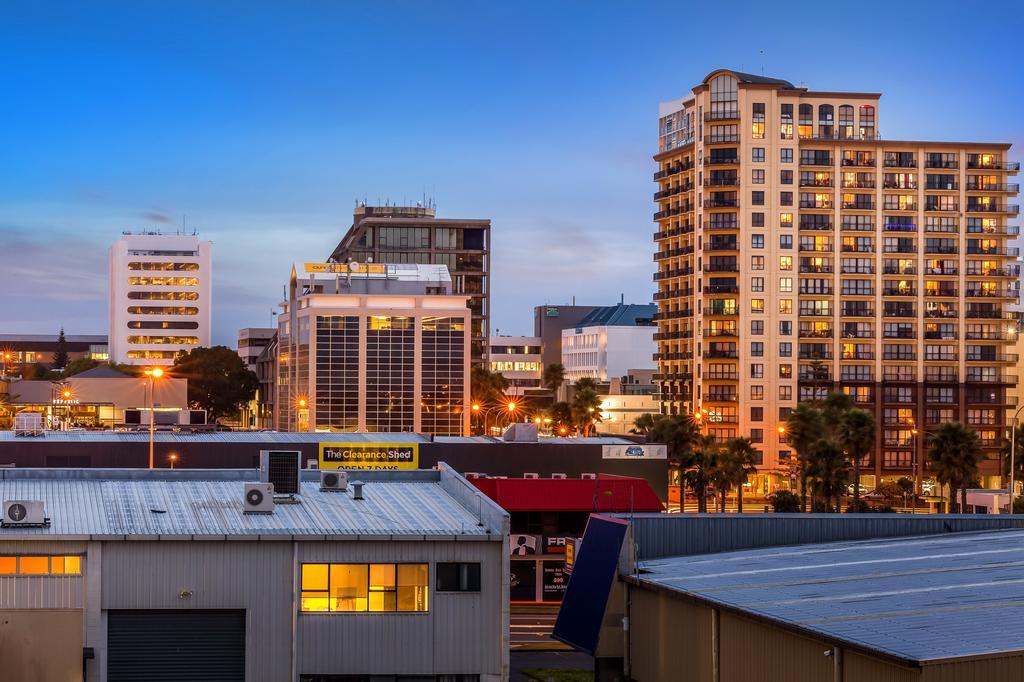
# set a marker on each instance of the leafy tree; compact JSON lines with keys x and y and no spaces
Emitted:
{"x":829,"y":470}
{"x":785,"y":502}
{"x":955,"y":451}
{"x":79,"y":365}
{"x":218,"y":380}
{"x":679,"y":434}
{"x":643,"y":424}
{"x":554,"y":377}
{"x":856,"y":434}
{"x":60,"y":356}
{"x":906,"y":486}
{"x":37,"y":372}
{"x":804,"y":427}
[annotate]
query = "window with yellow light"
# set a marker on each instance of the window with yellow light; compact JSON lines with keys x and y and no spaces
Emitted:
{"x":364,"y":588}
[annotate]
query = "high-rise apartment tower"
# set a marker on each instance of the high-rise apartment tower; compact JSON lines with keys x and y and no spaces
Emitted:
{"x":800,"y":253}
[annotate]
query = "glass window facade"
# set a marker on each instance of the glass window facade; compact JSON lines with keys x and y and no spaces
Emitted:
{"x":360,"y":588}
{"x":442,"y":378}
{"x":337,"y":372}
{"x":390,"y":352}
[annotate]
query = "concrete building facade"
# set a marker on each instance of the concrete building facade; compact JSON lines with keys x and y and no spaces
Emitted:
{"x":548,"y":323}
{"x":373,"y":347}
{"x":19,"y":350}
{"x":518,"y":359}
{"x":799,"y":253}
{"x":251,"y":343}
{"x":414,"y":234}
{"x":160,"y":297}
{"x":609,"y":342}
{"x":165,"y":576}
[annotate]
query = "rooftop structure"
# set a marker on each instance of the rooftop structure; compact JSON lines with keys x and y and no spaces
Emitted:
{"x":414,"y":234}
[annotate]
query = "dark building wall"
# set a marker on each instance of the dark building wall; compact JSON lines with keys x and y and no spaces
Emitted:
{"x":548,"y":323}
{"x":495,"y":459}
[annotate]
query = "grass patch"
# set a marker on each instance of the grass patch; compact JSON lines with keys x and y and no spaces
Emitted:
{"x":559,"y":674}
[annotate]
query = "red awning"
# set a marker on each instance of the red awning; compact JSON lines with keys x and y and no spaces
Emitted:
{"x":606,"y":493}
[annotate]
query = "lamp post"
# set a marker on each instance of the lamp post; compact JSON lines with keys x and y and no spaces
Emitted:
{"x":172,"y":458}
{"x":153,"y":375}
{"x":7,"y":358}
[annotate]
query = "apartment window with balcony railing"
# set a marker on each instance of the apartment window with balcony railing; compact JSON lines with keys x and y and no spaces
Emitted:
{"x":809,"y":393}
{"x":898,"y":266}
{"x":815,"y":221}
{"x":945,"y":375}
{"x":815,"y":200}
{"x":899,"y":245}
{"x":934,"y":353}
{"x":816,"y":308}
{"x":806,"y":122}
{"x":897,"y":459}
{"x":940,"y":266}
{"x":757,"y":121}
{"x":943,"y":181}
{"x":856,"y":287}
{"x":947,"y":224}
{"x":898,"y":330}
{"x":858,"y":351}
{"x":982,"y":418}
{"x":816,"y":286}
{"x":858,"y":159}
{"x":898,"y":309}
{"x":943,"y":331}
{"x":898,"y":351}
{"x":815,"y":157}
{"x":815,"y":179}
{"x":846,"y":122}
{"x":941,"y":160}
{"x":858,"y":244}
{"x":940,"y":245}
{"x":860,"y":394}
{"x":899,"y":181}
{"x":900,"y":224}
{"x":940,"y":309}
{"x":900,"y":160}
{"x":857,"y":223}
{"x":940,"y":395}
{"x":941,"y":203}
{"x":900,"y":202}
{"x":898,"y":373}
{"x":858,"y":202}
{"x":983,"y":374}
{"x":939,"y":415}
{"x":898,"y":416}
{"x":858,"y":330}
{"x":898,"y":394}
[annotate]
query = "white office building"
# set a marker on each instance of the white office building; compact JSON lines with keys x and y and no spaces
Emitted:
{"x":160,"y":297}
{"x":252,"y":341}
{"x":609,"y":342}
{"x":518,"y":359}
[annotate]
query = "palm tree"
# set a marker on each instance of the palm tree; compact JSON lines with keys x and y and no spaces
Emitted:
{"x":643,"y":424}
{"x":830,"y":470}
{"x":955,"y":451}
{"x":1018,"y":455}
{"x":833,"y":408}
{"x":702,"y":467}
{"x":679,"y":434}
{"x":586,"y":405}
{"x":486,"y":386}
{"x":561,"y":417}
{"x":804,"y":427}
{"x":735,"y":465}
{"x":856,"y":434}
{"x":554,"y":377}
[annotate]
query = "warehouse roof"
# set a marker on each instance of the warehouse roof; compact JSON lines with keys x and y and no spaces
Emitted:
{"x":277,"y":437}
{"x":169,"y":504}
{"x":913,"y":599}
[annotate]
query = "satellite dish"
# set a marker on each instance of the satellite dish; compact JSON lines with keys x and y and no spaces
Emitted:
{"x":354,"y":266}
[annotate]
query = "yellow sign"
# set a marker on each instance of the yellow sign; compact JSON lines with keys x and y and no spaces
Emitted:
{"x":345,"y":268}
{"x":369,"y":455}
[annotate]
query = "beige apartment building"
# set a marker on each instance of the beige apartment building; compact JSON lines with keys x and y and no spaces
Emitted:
{"x":799,"y":252}
{"x":373,"y":347}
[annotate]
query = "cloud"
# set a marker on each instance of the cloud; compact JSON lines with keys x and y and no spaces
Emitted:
{"x":157,"y":217}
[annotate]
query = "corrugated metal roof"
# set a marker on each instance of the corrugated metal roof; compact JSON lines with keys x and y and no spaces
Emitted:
{"x":210,"y":504}
{"x":620,"y":315}
{"x":917,"y":599}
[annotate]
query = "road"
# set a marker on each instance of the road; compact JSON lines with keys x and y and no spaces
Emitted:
{"x":530,"y":628}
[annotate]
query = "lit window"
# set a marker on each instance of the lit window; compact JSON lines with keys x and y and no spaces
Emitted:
{"x":8,"y":565}
{"x":786,"y":219}
{"x":34,"y":565}
{"x":785,"y":305}
{"x":786,"y":284}
{"x":785,"y":262}
{"x":377,"y":588}
{"x":66,"y":565}
{"x":757,"y":305}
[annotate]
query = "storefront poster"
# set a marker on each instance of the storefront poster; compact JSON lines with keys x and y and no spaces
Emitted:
{"x":523,"y":545}
{"x":554,"y":581}
{"x":369,"y":456}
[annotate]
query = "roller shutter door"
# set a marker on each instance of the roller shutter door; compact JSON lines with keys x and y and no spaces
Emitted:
{"x":176,"y":646}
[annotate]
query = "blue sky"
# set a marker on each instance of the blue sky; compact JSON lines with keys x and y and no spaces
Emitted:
{"x":260,"y":123}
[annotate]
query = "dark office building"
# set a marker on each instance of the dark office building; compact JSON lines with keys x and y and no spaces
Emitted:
{"x":548,"y":323}
{"x":412,"y":234}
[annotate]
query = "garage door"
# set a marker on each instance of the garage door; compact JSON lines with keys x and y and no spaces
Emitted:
{"x":179,"y":646}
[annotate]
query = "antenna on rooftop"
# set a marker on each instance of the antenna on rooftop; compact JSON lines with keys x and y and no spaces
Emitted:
{"x":761,"y":52}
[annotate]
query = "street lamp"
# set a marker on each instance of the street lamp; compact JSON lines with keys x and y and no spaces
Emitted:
{"x":7,"y":358}
{"x":918,"y":469}
{"x":153,"y":375}
{"x":173,"y":458}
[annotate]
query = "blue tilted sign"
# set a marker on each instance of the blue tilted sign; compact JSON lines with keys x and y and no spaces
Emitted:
{"x":596,"y":562}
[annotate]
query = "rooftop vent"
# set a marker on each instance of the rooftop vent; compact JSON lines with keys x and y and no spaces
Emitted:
{"x":357,"y":490}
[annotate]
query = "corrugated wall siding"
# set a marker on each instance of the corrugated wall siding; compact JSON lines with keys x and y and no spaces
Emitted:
{"x":669,"y":639}
{"x":461,"y":634}
{"x":256,"y":576}
{"x":42,"y":591}
{"x":665,"y":535}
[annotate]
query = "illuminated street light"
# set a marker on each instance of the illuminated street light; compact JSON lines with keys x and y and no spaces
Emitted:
{"x":153,"y":374}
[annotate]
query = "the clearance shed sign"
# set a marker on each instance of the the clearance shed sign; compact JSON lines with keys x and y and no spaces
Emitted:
{"x":369,"y":455}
